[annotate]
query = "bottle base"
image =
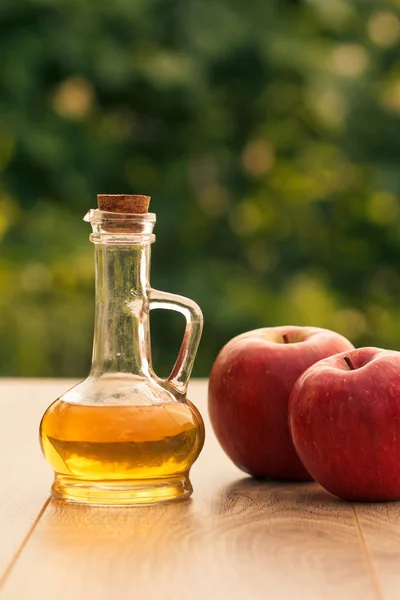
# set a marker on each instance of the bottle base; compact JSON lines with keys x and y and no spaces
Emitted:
{"x":122,"y":492}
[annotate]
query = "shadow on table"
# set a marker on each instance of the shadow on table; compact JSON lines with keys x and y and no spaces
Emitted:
{"x":257,"y":488}
{"x":257,"y":496}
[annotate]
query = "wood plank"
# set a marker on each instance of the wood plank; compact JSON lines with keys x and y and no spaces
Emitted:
{"x":24,"y":475}
{"x":380,"y":530}
{"x":237,"y":538}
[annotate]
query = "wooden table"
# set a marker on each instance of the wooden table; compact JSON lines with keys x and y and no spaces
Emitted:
{"x":235,"y":539}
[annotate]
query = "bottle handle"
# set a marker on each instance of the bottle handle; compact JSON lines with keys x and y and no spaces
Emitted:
{"x":180,"y":374}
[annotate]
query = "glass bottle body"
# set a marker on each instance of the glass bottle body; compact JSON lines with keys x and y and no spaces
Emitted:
{"x":125,"y":436}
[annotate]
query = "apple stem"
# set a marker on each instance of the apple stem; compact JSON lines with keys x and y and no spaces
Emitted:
{"x":285,"y":338}
{"x":347,"y":359}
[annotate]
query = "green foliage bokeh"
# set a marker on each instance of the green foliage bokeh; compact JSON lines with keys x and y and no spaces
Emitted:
{"x":267,"y":134}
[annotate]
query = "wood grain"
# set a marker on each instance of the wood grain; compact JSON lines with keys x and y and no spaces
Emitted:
{"x":380,"y":527}
{"x":237,"y":538}
{"x":24,"y":476}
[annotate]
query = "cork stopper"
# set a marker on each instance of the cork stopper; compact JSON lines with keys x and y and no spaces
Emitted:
{"x":123,"y":203}
{"x":124,"y":213}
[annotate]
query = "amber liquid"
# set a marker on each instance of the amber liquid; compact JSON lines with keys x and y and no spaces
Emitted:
{"x":121,"y":454}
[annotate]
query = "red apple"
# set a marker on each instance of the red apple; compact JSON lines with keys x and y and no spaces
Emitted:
{"x":344,"y":418}
{"x":249,"y":389}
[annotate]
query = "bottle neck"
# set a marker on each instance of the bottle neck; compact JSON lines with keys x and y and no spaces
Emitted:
{"x":122,"y":330}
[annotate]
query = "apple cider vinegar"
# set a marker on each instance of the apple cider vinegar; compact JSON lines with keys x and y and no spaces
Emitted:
{"x":125,"y":436}
{"x":119,"y":443}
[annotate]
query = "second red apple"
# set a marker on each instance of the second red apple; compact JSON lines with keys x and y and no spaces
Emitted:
{"x":249,"y":390}
{"x":345,"y":423}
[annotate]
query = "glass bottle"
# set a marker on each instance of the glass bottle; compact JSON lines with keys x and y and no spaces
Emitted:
{"x":124,"y":436}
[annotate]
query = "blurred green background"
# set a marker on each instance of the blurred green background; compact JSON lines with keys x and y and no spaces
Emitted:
{"x":267,"y":133}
